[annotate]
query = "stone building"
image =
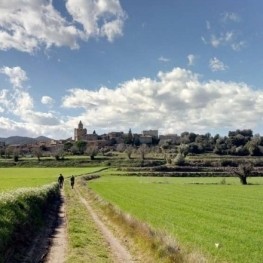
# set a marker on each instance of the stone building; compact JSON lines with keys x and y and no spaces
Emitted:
{"x":80,"y":133}
{"x":153,"y":133}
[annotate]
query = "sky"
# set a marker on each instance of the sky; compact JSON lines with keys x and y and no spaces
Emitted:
{"x":171,"y":65}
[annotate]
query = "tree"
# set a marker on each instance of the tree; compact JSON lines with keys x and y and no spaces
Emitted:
{"x":37,"y":152}
{"x":92,"y":152}
{"x":179,"y":159}
{"x":121,"y":147}
{"x":81,"y":145}
{"x":8,"y":151}
{"x":58,"y":152}
{"x":67,"y":146}
{"x":129,"y":138}
{"x":183,"y":149}
{"x":143,"y":150}
{"x":243,"y":171}
{"x":16,"y":153}
{"x":129,"y":151}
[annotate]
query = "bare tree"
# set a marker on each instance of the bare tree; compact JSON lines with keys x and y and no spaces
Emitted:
{"x":121,"y":147}
{"x":143,"y":150}
{"x":92,"y":152}
{"x":129,"y":151}
{"x":58,"y":152}
{"x":37,"y":152}
{"x":243,"y":171}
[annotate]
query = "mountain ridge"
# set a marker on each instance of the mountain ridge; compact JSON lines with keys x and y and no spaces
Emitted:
{"x":24,"y":140}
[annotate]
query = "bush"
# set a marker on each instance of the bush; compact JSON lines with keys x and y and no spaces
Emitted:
{"x":179,"y":159}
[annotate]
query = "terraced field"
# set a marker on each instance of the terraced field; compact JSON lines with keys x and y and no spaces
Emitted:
{"x":221,"y":221}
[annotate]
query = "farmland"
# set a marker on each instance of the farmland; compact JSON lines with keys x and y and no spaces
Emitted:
{"x":12,"y":178}
{"x":215,"y":217}
{"x":198,"y":212}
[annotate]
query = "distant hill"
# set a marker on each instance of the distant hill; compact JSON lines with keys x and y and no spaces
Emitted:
{"x":23,"y":140}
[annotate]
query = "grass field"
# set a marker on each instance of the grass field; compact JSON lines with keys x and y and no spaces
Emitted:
{"x":199,"y":212}
{"x":12,"y":178}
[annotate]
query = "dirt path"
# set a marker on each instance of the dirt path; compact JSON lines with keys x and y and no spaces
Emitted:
{"x":58,"y":242}
{"x":119,"y":251}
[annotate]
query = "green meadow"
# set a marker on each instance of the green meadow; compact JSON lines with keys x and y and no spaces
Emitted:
{"x":12,"y":178}
{"x":219,"y":219}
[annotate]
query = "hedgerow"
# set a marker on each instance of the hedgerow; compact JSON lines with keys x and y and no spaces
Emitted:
{"x":22,"y":214}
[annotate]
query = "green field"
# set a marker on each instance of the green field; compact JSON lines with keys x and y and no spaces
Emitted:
{"x":12,"y":178}
{"x":198,"y":212}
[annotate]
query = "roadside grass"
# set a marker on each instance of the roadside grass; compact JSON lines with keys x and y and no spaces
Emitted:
{"x":12,"y":178}
{"x":21,"y":216}
{"x":144,"y":242}
{"x":220,"y":221}
{"x":85,"y":242}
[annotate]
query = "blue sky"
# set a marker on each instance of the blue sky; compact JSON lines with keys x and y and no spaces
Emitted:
{"x":170,"y":65}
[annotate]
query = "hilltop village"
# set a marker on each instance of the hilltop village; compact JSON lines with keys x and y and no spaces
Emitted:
{"x":148,"y":137}
{"x":239,"y":142}
{"x":110,"y":140}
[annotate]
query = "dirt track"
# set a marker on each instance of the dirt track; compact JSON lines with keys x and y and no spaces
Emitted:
{"x":120,"y":252}
{"x":58,"y":242}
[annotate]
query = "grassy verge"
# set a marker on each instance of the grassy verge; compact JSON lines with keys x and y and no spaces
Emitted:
{"x":85,"y":241}
{"x":21,"y":215}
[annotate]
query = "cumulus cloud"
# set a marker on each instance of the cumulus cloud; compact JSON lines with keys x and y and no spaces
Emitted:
{"x":98,"y":18}
{"x":19,"y":103}
{"x":174,"y":102}
{"x":47,"y":100}
{"x":216,"y":65}
{"x":16,"y":75}
{"x":29,"y":25}
{"x":191,"y":59}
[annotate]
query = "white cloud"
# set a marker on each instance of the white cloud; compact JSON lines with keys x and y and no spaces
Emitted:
{"x":47,"y":100}
{"x":163,"y":59}
{"x":98,"y":18}
{"x":29,"y":25}
{"x":19,"y":102}
{"x":216,"y":65}
{"x":191,"y":59}
{"x":175,"y":102}
{"x":16,"y":75}
{"x":233,"y":17}
{"x":208,"y":25}
{"x":224,"y":34}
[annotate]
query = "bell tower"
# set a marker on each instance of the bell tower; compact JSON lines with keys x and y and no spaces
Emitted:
{"x":80,"y":133}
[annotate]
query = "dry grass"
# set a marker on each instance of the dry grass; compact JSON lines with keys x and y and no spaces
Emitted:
{"x":158,"y":245}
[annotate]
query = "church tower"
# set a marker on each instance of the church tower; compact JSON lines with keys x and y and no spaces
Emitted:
{"x":80,"y":133}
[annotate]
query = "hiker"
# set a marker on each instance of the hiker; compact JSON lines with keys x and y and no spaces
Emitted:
{"x":60,"y":181}
{"x":72,"y":181}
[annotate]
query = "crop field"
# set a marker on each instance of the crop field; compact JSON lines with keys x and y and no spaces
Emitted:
{"x":12,"y":178}
{"x":222,"y":220}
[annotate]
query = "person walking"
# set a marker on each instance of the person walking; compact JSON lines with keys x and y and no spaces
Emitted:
{"x":72,"y":181}
{"x":61,"y":181}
